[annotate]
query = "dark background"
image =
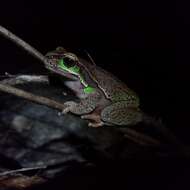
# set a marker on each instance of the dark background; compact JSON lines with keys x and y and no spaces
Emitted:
{"x":144,"y":43}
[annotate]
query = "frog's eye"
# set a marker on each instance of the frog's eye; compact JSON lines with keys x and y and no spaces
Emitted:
{"x":73,"y":69}
{"x":69,"y":62}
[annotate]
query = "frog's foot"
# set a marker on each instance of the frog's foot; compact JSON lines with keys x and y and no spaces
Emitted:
{"x":69,"y":107}
{"x":94,"y":117}
{"x":80,"y":108}
{"x":100,"y":124}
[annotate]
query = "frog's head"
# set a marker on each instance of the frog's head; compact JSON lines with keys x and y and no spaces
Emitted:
{"x":58,"y":62}
{"x":67,"y":65}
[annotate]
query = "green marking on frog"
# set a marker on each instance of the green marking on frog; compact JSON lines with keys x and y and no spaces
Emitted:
{"x":83,"y":81}
{"x":76,"y":71}
{"x":89,"y":89}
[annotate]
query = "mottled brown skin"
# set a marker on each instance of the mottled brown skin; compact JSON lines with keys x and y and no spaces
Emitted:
{"x":113,"y":88}
{"x":112,"y":102}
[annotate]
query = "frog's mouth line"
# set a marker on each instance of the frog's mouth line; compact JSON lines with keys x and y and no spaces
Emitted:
{"x":55,"y":69}
{"x":71,"y":73}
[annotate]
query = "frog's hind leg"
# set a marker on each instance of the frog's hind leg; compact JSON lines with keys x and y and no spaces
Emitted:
{"x":120,"y":113}
{"x":95,"y":118}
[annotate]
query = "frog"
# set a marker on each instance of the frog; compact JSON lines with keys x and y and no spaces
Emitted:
{"x":103,"y":98}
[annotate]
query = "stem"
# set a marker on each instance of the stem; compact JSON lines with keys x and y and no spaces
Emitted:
{"x":29,"y":96}
{"x":18,"y":41}
{"x":25,"y":79}
{"x":140,"y":138}
{"x":166,"y":133}
{"x":22,"y":170}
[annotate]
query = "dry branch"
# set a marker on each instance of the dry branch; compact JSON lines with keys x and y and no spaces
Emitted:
{"x":11,"y":172}
{"x":23,"y":79}
{"x":29,"y":96}
{"x":18,"y":41}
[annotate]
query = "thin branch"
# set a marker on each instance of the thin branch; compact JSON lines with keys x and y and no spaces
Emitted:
{"x":22,"y":79}
{"x":10,"y":172}
{"x":29,"y":96}
{"x":166,"y":133}
{"x":140,"y":138}
{"x":18,"y":41}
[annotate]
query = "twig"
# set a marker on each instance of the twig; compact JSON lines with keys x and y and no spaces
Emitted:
{"x":22,"y":79}
{"x":18,"y":41}
{"x":29,"y":96}
{"x":161,"y":128}
{"x":140,"y":138}
{"x":21,"y":170}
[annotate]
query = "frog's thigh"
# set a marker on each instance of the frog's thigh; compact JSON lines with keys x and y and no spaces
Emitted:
{"x":120,"y":113}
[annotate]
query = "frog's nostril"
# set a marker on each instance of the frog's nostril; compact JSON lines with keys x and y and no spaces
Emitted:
{"x":51,"y":63}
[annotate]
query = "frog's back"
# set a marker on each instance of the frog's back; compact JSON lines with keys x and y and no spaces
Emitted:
{"x":115,"y":89}
{"x":112,"y":87}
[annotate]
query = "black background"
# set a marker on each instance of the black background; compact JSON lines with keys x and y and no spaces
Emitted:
{"x":144,"y":43}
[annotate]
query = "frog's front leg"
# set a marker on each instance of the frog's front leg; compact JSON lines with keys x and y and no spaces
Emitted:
{"x":120,"y":113}
{"x":85,"y":106}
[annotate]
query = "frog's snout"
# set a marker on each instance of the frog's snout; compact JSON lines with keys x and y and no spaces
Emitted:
{"x":51,"y":64}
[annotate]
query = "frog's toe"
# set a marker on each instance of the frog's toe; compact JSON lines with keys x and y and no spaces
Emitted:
{"x":100,"y":124}
{"x":69,"y":106}
{"x":95,"y":119}
{"x":91,"y":117}
{"x":65,"y":111}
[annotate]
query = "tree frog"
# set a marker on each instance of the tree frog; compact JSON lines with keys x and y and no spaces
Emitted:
{"x":104,"y":99}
